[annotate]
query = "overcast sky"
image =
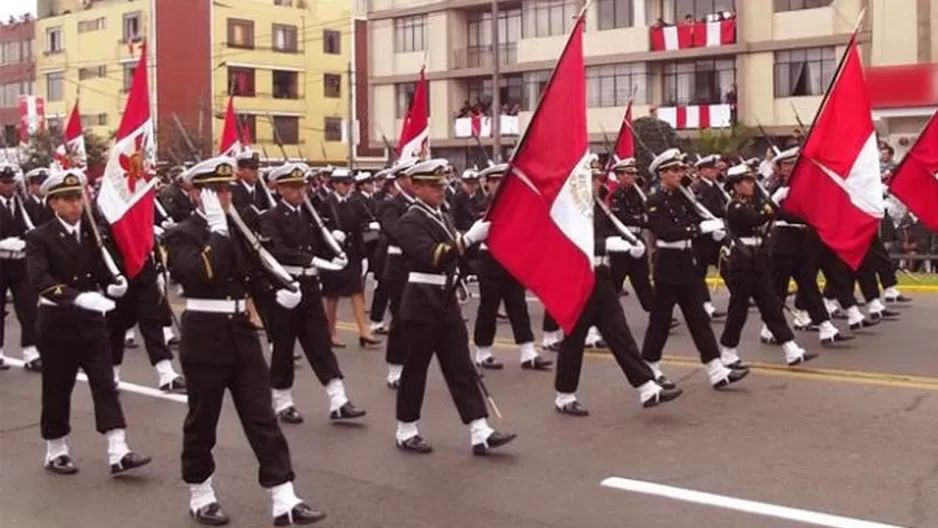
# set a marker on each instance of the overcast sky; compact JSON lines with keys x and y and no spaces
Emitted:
{"x":16,"y":8}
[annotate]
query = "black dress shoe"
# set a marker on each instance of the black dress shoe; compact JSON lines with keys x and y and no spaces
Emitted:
{"x":210,"y":515}
{"x":491,"y":363}
{"x":538,"y":363}
{"x":675,"y":323}
{"x":899,"y":299}
{"x":573,"y":408}
{"x":130,"y":343}
{"x":889,"y":314}
{"x":717,"y":314}
{"x":494,"y":440}
{"x":415,"y":444}
{"x":838,"y":338}
{"x":807,"y":356}
{"x":62,"y":465}
{"x":4,"y":365}
{"x":553,"y":347}
{"x":173,"y":341}
{"x":129,"y":461}
{"x":34,"y":365}
{"x":297,"y":356}
{"x":394,"y":385}
{"x":338,"y":345}
{"x":665,"y":383}
{"x":300,"y":514}
{"x":866,"y":322}
{"x":176,"y":386}
{"x":737,"y":365}
{"x":733,"y":377}
{"x":665,"y":395}
{"x":290,"y":415}
{"x":347,"y":412}
{"x":367,"y":342}
{"x":597,"y":344}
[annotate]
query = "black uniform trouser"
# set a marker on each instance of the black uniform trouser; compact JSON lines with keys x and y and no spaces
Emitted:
{"x":62,"y":356}
{"x":396,"y":351}
{"x":803,"y":269}
{"x":549,"y":324}
{"x":248,"y":380}
{"x":639,"y":275}
{"x":450,"y":343}
{"x":604,"y":311}
{"x":145,"y":306}
{"x":496,"y":285}
{"x":24,"y":302}
{"x":753,"y":283}
{"x":882,"y":263}
{"x":687,"y":296}
{"x":707,"y":252}
{"x":379,"y":301}
{"x":307,"y":324}
{"x":838,"y":278}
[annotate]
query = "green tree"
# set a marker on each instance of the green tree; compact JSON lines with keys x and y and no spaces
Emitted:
{"x":732,"y":142}
{"x":41,"y":150}
{"x":652,"y":137}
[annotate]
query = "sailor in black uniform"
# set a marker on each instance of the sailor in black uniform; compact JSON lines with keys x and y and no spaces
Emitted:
{"x":37,"y":208}
{"x":432,"y":315}
{"x":707,"y":249}
{"x":379,"y":297}
{"x":628,"y":205}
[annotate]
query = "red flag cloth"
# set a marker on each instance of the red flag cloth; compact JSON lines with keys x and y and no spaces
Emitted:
{"x":542,"y":218}
{"x":625,"y":143}
{"x":415,"y":131}
{"x":915,"y":181}
{"x":126,"y":195}
{"x":72,"y":153}
{"x":230,"y":144}
{"x":836,"y":184}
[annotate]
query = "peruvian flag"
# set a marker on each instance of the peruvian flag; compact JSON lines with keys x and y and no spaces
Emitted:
{"x":693,"y":35}
{"x":836,"y":184}
{"x":915,"y":181}
{"x":702,"y":116}
{"x":32,"y":116}
{"x":542,"y":215}
{"x":624,"y":148}
{"x":126,"y":195}
{"x":414,"y":140}
{"x":230,"y":144}
{"x":72,"y":152}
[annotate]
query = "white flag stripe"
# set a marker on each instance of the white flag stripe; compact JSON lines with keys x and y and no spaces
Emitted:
{"x":713,"y":34}
{"x":863,"y":183}
{"x":668,"y":115}
{"x":670,"y":38}
{"x":693,"y":117}
{"x":572,"y":210}
{"x":412,"y":148}
{"x":720,"y":116}
{"x":115,"y":198}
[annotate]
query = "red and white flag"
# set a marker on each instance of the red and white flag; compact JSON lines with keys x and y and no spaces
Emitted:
{"x":542,"y":216}
{"x":915,"y":181}
{"x":32,"y":116}
{"x":414,"y":140}
{"x":126,"y":195}
{"x":624,"y":148}
{"x":230,"y":142}
{"x":836,"y":184}
{"x":72,"y":152}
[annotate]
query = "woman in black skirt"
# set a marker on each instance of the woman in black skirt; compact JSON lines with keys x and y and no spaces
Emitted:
{"x":348,"y":220}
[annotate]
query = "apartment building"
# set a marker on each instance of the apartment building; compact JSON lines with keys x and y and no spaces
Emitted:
{"x":284,"y":61}
{"x":17,"y":74}
{"x":697,"y":63}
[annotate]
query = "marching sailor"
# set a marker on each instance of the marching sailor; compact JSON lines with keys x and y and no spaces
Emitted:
{"x":707,"y":249}
{"x":628,"y":206}
{"x":35,"y":206}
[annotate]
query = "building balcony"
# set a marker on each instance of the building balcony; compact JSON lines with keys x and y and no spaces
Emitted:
{"x":481,"y":126}
{"x":483,"y":56}
{"x":686,"y":35}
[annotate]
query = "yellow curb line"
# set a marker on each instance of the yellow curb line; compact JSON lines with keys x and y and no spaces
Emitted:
{"x":914,"y":288}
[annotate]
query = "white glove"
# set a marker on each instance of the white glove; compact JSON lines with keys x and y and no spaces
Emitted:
{"x":335,"y":264}
{"x":94,"y":302}
{"x":158,"y":231}
{"x":780,"y":194}
{"x":339,"y":236}
{"x":214,"y":213}
{"x":478,"y":232}
{"x":118,"y":289}
{"x":14,"y":244}
{"x":637,"y":251}
{"x":709,"y":226}
{"x":617,"y":244}
{"x":718,"y":235}
{"x":374,"y":226}
{"x":166,"y":224}
{"x":289,"y":299}
{"x":161,"y":283}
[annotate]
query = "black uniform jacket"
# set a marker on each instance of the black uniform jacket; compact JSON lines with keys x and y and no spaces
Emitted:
{"x":392,"y":211}
{"x":672,"y":219}
{"x":746,"y":220}
{"x":293,"y":238}
{"x":628,"y":207}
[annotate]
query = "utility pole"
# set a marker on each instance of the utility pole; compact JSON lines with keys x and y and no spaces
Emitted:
{"x":496,"y":89}
{"x":351,"y":124}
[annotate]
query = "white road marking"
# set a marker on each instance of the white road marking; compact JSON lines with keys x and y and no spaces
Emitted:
{"x":124,"y":386}
{"x":731,"y":503}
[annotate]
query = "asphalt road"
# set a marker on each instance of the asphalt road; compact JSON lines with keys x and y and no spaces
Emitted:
{"x":853,"y":435}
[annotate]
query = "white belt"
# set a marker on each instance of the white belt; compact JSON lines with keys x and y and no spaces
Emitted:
{"x":601,"y":261}
{"x":300,"y":271}
{"x":680,"y":244}
{"x":216,"y":306}
{"x":394,"y":250}
{"x":782,"y":223}
{"x":12,"y":255}
{"x":426,"y":278}
{"x":750,"y":241}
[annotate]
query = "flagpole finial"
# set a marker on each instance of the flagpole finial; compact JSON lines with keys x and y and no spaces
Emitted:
{"x":859,"y":20}
{"x":583,"y":9}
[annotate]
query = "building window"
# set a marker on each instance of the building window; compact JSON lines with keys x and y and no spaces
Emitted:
{"x":511,"y":88}
{"x":700,"y":82}
{"x":404,"y":96}
{"x":10,"y":93}
{"x":285,"y":38}
{"x":55,"y":86}
{"x":283,"y":3}
{"x":410,"y":33}
{"x":286,"y":84}
{"x":804,"y":71}
{"x":90,"y":120}
{"x":85,"y":26}
{"x":54,"y":40}
{"x":795,"y":5}
{"x":288,"y":129}
{"x":331,"y":42}
{"x":133,"y":26}
{"x":332,"y":85}
{"x":248,"y":127}
{"x":241,"y":82}
{"x":92,"y":72}
{"x":10,"y":135}
{"x":611,"y":84}
{"x":700,"y":10}
{"x":240,"y":34}
{"x":479,"y":31}
{"x":333,"y":129}
{"x":130,"y":68}
{"x":615,"y":13}
{"x":534,"y":84}
{"x":11,"y":53}
{"x":546,"y":18}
